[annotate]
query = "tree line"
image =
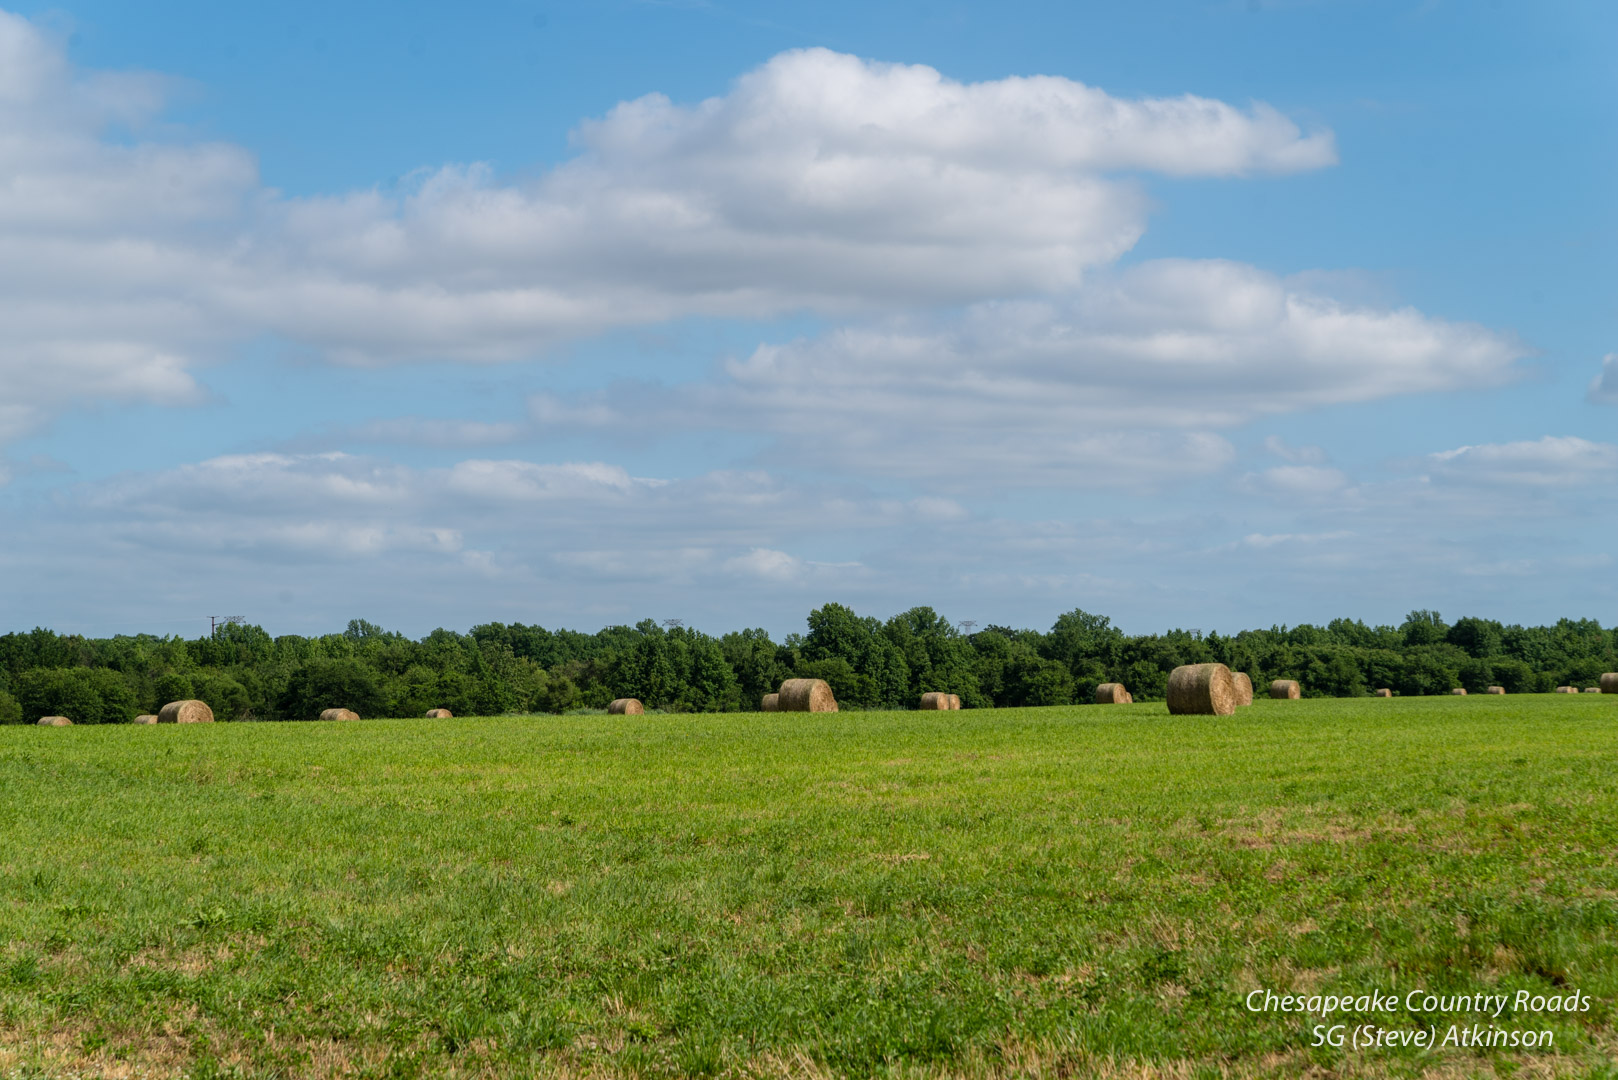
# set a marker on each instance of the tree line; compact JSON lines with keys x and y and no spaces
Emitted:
{"x":244,"y":673}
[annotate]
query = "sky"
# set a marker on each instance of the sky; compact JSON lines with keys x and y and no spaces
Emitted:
{"x":1211,"y":315}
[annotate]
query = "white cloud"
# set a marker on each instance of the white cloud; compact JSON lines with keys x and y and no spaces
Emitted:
{"x":1298,"y":455}
{"x":1604,"y":387}
{"x":766,"y":563}
{"x":1305,"y":481}
{"x":1553,"y":462}
{"x":1126,"y":382}
{"x":819,"y":181}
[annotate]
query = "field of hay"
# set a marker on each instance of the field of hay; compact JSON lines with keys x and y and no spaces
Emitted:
{"x":1068,"y":891}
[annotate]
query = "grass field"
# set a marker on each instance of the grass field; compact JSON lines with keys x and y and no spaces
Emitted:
{"x":1066,"y":891}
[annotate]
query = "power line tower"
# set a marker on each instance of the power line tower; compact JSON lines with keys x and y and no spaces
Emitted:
{"x":672,"y":623}
{"x":967,"y":626}
{"x":216,"y":621}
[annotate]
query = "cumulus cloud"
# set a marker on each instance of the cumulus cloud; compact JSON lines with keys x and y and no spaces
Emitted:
{"x":1553,"y":462}
{"x":107,"y":245}
{"x":580,"y":511}
{"x":1298,"y":455}
{"x":1129,"y":380}
{"x":819,"y":181}
{"x":1604,"y":387}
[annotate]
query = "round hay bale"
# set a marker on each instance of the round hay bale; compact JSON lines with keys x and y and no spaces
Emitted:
{"x":955,"y":701}
{"x":1202,"y":690}
{"x":1382,"y":692}
{"x":807,"y":695}
{"x":1244,"y":688}
{"x":770,"y":703}
{"x":1609,"y":683}
{"x":1129,"y":699}
{"x":1459,"y":691}
{"x":935,"y":701}
{"x":146,"y":718}
{"x":1567,"y":690}
{"x":55,"y":721}
{"x":440,"y":714}
{"x":1495,"y":690}
{"x":185,"y":712}
{"x":1112,"y":693}
{"x":1285,"y":690}
{"x":626,"y":706}
{"x":1592,"y":689}
{"x":339,"y":714}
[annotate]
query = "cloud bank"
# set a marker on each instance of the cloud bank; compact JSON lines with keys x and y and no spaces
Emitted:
{"x":819,"y":182}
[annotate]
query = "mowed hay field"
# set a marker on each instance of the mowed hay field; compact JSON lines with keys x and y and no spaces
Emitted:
{"x":1066,"y":891}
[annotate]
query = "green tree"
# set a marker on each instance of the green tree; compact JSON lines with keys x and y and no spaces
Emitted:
{"x":320,"y":684}
{"x":172,"y":686}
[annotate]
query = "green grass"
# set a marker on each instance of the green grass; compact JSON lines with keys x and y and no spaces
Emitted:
{"x":1067,"y":891}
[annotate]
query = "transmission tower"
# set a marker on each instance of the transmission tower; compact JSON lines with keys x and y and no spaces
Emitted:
{"x":672,"y":623}
{"x":216,"y":621}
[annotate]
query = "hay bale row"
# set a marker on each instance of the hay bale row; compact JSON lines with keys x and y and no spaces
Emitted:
{"x":770,"y":703}
{"x":1609,"y":683}
{"x":806,"y":695}
{"x":1567,"y":690}
{"x":1495,"y":690}
{"x":1202,"y":690}
{"x":1113,"y":693}
{"x":1382,"y":692}
{"x":1244,"y":688}
{"x":1285,"y":690}
{"x":1592,"y":689}
{"x":339,"y":714}
{"x":185,"y":712}
{"x":1459,"y":691}
{"x":626,"y":706}
{"x":933,"y":700}
{"x":55,"y":721}
{"x":440,"y":714}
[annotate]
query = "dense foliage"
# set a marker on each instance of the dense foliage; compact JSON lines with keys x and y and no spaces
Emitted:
{"x":245,"y":674}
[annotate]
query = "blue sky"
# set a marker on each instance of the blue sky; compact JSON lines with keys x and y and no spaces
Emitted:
{"x":1198,"y":314}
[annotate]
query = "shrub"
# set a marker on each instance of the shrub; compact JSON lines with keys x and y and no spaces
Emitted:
{"x":10,"y":711}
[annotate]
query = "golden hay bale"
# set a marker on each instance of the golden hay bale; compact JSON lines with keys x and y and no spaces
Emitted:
{"x":1382,"y":692}
{"x":1244,"y":688}
{"x":1459,"y":691}
{"x":1609,"y":683}
{"x":185,"y":712}
{"x":1202,"y":690}
{"x":146,"y":718}
{"x":55,"y":721}
{"x":935,"y":700}
{"x":770,"y":703}
{"x":440,"y":714}
{"x":1285,"y":690}
{"x":626,"y":706}
{"x":1567,"y":690}
{"x":1112,"y":693}
{"x":1495,"y":690}
{"x":1129,"y":699}
{"x":339,"y":714}
{"x":1592,"y":689}
{"x":955,"y":701}
{"x":807,"y":695}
